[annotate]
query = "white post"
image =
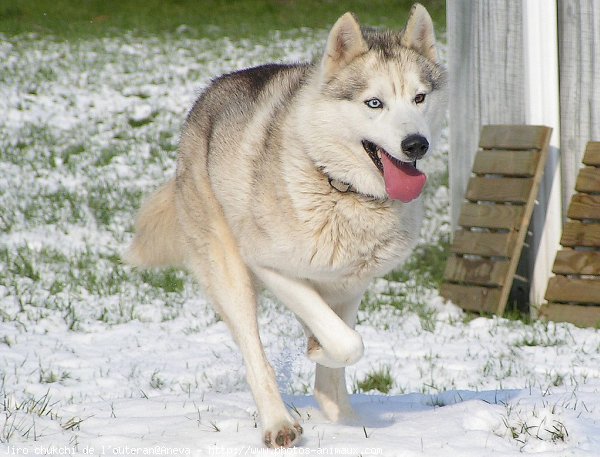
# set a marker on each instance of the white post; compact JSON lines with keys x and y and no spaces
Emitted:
{"x":540,"y":29}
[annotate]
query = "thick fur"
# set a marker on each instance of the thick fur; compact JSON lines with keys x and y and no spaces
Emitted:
{"x":252,"y":205}
{"x":159,"y":241}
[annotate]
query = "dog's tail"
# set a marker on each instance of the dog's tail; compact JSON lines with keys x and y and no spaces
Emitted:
{"x":158,"y":239}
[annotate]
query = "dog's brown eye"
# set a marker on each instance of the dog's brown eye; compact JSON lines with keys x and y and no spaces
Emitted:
{"x":419,"y":98}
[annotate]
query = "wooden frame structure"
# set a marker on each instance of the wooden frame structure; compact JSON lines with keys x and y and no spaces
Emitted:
{"x":501,"y":196}
{"x":547,"y":45}
{"x":574,"y":293}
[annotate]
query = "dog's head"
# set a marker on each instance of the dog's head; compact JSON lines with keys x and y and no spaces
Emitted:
{"x":379,"y":106}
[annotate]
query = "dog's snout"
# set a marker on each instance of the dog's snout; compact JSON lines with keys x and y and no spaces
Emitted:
{"x":415,"y":146}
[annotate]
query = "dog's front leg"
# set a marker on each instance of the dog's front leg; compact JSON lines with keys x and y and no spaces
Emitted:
{"x":218,"y":266}
{"x":337,"y":344}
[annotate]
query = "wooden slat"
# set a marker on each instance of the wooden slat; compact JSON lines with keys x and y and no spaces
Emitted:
{"x":584,"y":206}
{"x":506,"y":163}
{"x":514,"y":190}
{"x":570,"y":262}
{"x":472,"y":298}
{"x":579,"y":234}
{"x":592,"y":154}
{"x":513,"y":137}
{"x":583,"y":316}
{"x":483,"y":243}
{"x":563,"y":289}
{"x":483,"y":272}
{"x":490,"y":216}
{"x":588,"y":180}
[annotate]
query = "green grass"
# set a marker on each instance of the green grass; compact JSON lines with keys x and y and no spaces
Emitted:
{"x":524,"y":426}
{"x":50,"y":377}
{"x":170,"y":280}
{"x":426,"y":264}
{"x":46,"y":280}
{"x":380,"y":380}
{"x":67,"y":19}
{"x":410,"y":284}
{"x":156,"y":381}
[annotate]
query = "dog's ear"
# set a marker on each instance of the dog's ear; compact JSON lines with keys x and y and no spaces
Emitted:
{"x":418,"y":33}
{"x":345,"y":42}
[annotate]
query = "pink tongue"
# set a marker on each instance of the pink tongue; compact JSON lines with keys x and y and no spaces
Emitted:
{"x":402,"y":180}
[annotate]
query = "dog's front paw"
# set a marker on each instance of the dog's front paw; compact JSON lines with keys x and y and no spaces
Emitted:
{"x":284,"y":435}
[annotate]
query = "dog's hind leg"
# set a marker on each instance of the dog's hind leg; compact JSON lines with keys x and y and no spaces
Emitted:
{"x":331,"y":393}
{"x":214,"y":258}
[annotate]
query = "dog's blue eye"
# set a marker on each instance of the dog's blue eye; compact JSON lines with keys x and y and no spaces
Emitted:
{"x":374,"y":103}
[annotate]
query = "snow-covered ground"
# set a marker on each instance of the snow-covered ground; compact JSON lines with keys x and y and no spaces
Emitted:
{"x":99,"y":359}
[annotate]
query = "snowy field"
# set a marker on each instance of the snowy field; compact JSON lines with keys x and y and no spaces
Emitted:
{"x":100,"y":359}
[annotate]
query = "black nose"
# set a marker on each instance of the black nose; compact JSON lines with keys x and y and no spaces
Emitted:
{"x":415,"y":146}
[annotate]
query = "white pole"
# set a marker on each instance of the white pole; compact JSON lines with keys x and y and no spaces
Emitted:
{"x":542,"y":104}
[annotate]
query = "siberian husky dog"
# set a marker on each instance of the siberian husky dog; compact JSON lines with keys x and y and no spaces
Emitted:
{"x":302,"y":179}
